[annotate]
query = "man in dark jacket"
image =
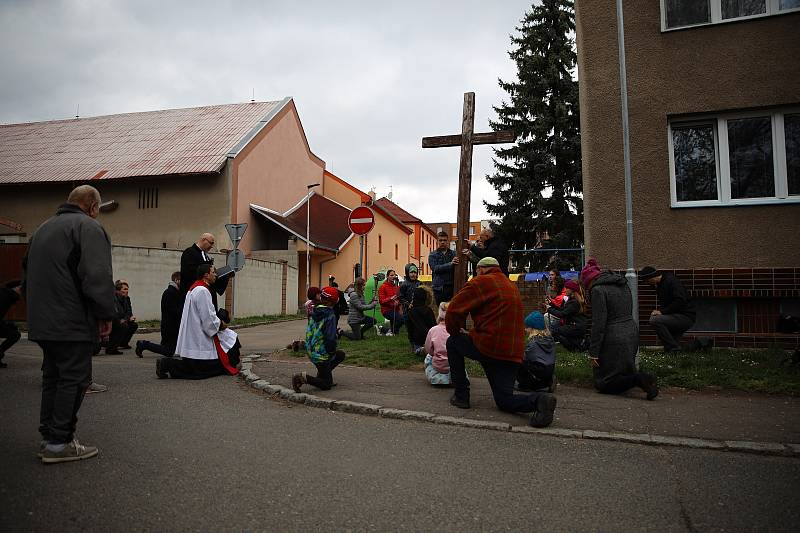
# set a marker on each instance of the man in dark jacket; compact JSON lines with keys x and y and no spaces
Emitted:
{"x":442,"y":262}
{"x":488,"y":246}
{"x":170,"y":321}
{"x":70,"y":295}
{"x":193,"y":257}
{"x":9,"y":295}
{"x":124,"y":325}
{"x":675,"y":313}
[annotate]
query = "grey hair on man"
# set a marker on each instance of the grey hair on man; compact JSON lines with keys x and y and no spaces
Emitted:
{"x":87,"y":198}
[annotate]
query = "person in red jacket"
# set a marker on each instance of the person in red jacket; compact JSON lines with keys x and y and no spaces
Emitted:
{"x":389,"y":297}
{"x":496,"y":341}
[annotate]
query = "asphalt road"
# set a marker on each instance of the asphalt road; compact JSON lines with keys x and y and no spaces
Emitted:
{"x":213,"y":455}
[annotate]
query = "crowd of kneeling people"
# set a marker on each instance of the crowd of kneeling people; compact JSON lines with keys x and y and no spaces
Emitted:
{"x":516,"y":352}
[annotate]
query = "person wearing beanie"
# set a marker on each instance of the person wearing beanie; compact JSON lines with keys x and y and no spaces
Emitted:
{"x":321,"y":339}
{"x":571,"y":332}
{"x":614,"y":339}
{"x":537,"y":372}
{"x":495,"y":341}
{"x":437,"y":366}
{"x":409,"y":284}
{"x":675,"y":313}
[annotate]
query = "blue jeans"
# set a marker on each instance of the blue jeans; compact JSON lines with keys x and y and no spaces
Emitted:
{"x":501,"y":375}
{"x":396,"y":318}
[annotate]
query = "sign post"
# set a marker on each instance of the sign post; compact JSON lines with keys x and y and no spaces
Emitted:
{"x":361,"y":221}
{"x":235,"y":258}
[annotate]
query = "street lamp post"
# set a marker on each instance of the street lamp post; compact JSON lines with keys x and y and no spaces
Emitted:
{"x":308,"y":235}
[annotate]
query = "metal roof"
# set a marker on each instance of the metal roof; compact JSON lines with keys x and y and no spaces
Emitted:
{"x":154,"y":143}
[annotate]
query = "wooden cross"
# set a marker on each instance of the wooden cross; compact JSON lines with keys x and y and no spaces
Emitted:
{"x":466,"y":140}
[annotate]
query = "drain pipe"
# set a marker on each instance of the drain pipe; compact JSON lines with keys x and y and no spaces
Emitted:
{"x":630,"y":274}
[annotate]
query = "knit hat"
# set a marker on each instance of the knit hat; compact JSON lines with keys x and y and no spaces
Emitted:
{"x":534,"y":320}
{"x":488,"y":261}
{"x":589,"y":272}
{"x":330,"y":293}
{"x":572,"y":285}
{"x":648,"y":272}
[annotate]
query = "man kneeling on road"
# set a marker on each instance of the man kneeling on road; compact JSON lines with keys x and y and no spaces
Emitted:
{"x":496,"y":341}
{"x":201,"y":338}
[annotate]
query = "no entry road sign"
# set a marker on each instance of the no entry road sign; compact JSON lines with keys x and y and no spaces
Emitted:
{"x":361,"y":220}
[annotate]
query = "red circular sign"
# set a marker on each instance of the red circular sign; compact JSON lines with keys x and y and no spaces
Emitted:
{"x":361,"y":220}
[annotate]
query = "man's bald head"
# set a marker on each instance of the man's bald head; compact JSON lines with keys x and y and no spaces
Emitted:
{"x":87,"y":198}
{"x":206,"y":242}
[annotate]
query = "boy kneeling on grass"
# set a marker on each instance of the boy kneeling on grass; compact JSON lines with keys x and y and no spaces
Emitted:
{"x":321,"y":340}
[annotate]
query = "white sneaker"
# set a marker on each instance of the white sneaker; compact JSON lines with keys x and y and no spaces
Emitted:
{"x":389,"y":333}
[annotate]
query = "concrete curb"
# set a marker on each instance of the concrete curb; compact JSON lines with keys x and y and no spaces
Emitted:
{"x":262,"y":385}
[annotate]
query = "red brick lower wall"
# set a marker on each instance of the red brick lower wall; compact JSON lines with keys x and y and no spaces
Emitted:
{"x":757,"y":292}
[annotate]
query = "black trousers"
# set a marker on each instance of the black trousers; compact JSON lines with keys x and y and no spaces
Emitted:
{"x":324,"y":378}
{"x":66,"y":373}
{"x":121,"y":334}
{"x":617,"y":384}
{"x":161,"y":349}
{"x":535,"y":376}
{"x":192,"y":368}
{"x":670,"y":328}
{"x":9,"y":332}
{"x":359,"y":328}
{"x":501,"y":375}
{"x":570,"y":336}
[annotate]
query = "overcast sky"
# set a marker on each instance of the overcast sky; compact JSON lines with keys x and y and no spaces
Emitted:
{"x":369,"y":79}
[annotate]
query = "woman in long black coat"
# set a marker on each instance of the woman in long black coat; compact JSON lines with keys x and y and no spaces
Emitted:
{"x":614,"y":334}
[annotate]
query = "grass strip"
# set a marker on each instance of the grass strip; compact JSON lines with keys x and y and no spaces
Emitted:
{"x":744,"y":370}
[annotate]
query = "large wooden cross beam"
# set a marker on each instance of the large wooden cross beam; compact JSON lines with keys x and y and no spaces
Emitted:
{"x":466,"y":141}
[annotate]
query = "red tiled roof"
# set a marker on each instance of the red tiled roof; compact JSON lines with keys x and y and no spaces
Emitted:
{"x":400,"y":213}
{"x":328,"y":228}
{"x":173,"y":141}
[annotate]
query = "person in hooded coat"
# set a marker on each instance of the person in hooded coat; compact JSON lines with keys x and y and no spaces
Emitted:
{"x":571,"y":332}
{"x":420,"y":319}
{"x":359,"y":323}
{"x":537,"y":372}
{"x":614,"y":336}
{"x":409,"y":284}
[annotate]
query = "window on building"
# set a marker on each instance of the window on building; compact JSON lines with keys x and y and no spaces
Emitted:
{"x":736,"y":159}
{"x":439,"y":229}
{"x":454,"y":231}
{"x":148,"y":197}
{"x":471,"y":231}
{"x":380,"y":244}
{"x":683,"y":13}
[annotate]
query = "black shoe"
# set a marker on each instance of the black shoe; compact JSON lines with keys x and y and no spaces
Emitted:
{"x":458,"y":402}
{"x":139,"y":349}
{"x":647,"y":382}
{"x":545,"y":407}
{"x":160,"y":371}
{"x":113,"y":351}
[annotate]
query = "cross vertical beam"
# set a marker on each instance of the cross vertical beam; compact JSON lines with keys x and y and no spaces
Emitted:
{"x":464,"y":188}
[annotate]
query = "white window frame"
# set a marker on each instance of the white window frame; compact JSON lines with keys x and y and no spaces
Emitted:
{"x":773,"y":9}
{"x":722,"y":157}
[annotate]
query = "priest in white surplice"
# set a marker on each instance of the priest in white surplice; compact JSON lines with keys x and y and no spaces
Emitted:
{"x":202,"y":355}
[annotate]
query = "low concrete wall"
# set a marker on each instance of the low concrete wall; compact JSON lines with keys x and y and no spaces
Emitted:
{"x":261,"y":288}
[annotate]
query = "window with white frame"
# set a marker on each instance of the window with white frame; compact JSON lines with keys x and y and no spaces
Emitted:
{"x":683,"y":13}
{"x":735,"y":158}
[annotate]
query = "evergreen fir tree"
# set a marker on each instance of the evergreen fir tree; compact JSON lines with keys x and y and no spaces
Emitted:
{"x":538,"y":179}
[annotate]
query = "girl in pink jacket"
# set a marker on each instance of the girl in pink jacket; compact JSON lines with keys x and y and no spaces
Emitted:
{"x":437,"y":366}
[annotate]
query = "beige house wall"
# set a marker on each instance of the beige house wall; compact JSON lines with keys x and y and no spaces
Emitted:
{"x":187,"y":207}
{"x":274,"y":169}
{"x":733,"y":66}
{"x":338,"y":192}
